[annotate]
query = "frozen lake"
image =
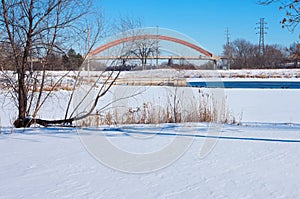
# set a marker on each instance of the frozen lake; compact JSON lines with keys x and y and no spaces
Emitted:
{"x":251,"y":161}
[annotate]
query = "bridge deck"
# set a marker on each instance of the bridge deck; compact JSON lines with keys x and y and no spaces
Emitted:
{"x":154,"y":57}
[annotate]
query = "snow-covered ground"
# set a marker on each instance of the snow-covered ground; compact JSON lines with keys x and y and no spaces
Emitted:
{"x":256,"y":159}
{"x":264,"y":105}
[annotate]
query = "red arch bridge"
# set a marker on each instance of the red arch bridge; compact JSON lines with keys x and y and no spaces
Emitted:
{"x":203,"y":54}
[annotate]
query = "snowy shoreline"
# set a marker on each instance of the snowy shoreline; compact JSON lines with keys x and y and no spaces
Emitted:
{"x":244,"y":105}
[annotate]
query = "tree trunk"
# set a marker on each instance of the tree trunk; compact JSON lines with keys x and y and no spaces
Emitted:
{"x":144,"y":62}
{"x":22,"y":98}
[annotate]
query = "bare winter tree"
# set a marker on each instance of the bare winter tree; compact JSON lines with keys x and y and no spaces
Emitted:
{"x":143,"y":47}
{"x":242,"y":51}
{"x":276,"y":55}
{"x":227,"y":52}
{"x":5,"y":57}
{"x":294,"y":51}
{"x":292,"y":12}
{"x":246,"y":55}
{"x":37,"y":29}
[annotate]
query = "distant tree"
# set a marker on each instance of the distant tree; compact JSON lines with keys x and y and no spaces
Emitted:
{"x":242,"y":53}
{"x":142,"y":48}
{"x":274,"y":55}
{"x":227,"y":53}
{"x":294,"y":51}
{"x":5,"y":57}
{"x":72,"y":60}
{"x":292,"y":12}
{"x":54,"y":61}
{"x":246,"y":55}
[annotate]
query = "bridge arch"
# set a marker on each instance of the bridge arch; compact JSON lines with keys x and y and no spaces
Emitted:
{"x":151,"y":36}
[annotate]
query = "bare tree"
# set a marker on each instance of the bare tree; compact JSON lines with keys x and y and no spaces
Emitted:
{"x":227,"y":52}
{"x":294,"y":51}
{"x":242,"y":50}
{"x":292,"y":12}
{"x":36,"y":29}
{"x":5,"y":57}
{"x":143,"y":48}
{"x":276,"y":56}
{"x":246,"y":55}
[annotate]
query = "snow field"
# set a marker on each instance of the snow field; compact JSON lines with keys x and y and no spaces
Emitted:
{"x":53,"y":163}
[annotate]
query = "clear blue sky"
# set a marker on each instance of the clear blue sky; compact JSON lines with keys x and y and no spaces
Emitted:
{"x":206,"y":20}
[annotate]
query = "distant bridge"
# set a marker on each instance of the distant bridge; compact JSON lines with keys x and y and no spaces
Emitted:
{"x":207,"y":55}
{"x":154,"y":57}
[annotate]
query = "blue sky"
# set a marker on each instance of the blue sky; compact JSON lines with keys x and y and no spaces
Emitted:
{"x":204,"y":20}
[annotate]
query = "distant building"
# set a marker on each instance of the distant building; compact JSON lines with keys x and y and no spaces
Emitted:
{"x":295,"y":56}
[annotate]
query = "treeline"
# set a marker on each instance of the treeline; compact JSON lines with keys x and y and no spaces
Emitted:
{"x":56,"y":61}
{"x":243,"y":54}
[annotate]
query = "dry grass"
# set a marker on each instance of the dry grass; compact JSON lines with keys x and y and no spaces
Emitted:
{"x":48,"y":88}
{"x":200,"y":109}
{"x":262,"y":76}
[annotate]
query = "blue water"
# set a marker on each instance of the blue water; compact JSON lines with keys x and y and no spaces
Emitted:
{"x":247,"y":84}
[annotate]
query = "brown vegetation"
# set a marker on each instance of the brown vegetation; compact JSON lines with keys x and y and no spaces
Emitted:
{"x":202,"y":109}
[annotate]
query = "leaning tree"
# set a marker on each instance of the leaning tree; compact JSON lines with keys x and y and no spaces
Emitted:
{"x":35,"y":30}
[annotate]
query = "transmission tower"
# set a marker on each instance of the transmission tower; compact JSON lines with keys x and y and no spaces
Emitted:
{"x":262,"y":32}
{"x":228,"y":48}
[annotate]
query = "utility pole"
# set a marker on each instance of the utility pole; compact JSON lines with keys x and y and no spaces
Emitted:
{"x":88,"y":49}
{"x":227,"y":36}
{"x":156,"y":47}
{"x":262,"y":31}
{"x":228,"y":48}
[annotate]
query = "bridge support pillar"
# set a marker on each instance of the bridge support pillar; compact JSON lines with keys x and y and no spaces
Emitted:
{"x":215,"y":64}
{"x":170,"y":62}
